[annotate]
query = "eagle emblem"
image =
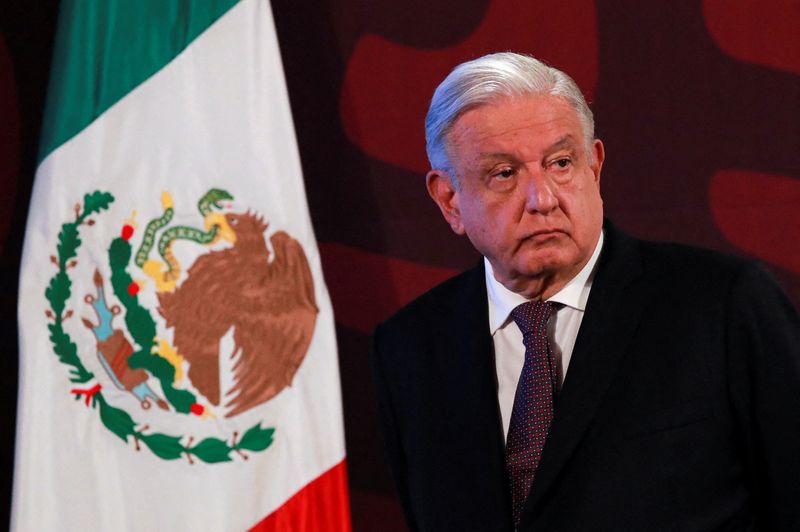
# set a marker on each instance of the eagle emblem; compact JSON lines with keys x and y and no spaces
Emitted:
{"x":266,"y":299}
{"x":207,"y":319}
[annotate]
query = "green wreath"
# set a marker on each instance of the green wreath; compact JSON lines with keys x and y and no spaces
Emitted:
{"x":142,"y":328}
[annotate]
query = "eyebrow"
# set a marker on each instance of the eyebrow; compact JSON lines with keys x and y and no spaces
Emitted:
{"x":567,"y":141}
{"x":495,"y":155}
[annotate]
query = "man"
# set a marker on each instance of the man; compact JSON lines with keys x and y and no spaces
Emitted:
{"x":578,"y":379}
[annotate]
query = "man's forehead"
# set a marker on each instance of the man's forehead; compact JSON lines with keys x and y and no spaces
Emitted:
{"x":565,"y":142}
{"x":510,"y":115}
{"x":531,"y":103}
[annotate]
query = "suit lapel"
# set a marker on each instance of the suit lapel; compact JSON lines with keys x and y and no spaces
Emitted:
{"x":612,"y":314}
{"x":470,"y":384}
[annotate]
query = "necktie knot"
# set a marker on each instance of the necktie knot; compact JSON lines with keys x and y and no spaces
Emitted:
{"x":532,"y":316}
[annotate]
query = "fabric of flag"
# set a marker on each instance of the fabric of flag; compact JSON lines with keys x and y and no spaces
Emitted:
{"x":178,"y":364}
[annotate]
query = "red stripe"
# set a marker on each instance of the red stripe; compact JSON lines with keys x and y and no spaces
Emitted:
{"x":321,"y":506}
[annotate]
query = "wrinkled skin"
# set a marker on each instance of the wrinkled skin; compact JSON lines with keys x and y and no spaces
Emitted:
{"x":527,"y":193}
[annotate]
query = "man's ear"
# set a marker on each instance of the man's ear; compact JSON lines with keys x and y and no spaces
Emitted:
{"x":444,"y":193}
{"x":598,"y":156}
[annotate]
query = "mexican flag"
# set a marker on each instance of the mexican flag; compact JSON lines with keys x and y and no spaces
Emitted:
{"x":178,"y":365}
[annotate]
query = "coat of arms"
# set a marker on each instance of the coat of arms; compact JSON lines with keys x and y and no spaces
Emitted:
{"x":245,"y":303}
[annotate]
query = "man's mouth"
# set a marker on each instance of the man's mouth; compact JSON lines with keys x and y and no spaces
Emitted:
{"x":544,"y":234}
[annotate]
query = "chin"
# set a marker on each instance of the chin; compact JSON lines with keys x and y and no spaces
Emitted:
{"x":544,"y":264}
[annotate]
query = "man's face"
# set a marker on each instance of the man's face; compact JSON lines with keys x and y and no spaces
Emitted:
{"x":529,"y":193}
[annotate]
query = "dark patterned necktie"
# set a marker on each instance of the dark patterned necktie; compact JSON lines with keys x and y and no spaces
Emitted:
{"x":533,"y":402}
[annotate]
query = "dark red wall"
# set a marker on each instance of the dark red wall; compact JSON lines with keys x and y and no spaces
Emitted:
{"x":697,"y":103}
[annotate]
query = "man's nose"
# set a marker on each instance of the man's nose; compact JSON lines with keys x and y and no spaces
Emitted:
{"x":540,"y":193}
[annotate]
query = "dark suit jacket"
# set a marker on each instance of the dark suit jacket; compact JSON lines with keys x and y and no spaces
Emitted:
{"x":680,"y":409}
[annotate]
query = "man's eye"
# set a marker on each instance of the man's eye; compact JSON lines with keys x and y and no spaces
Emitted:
{"x":504,"y":174}
{"x":562,"y":163}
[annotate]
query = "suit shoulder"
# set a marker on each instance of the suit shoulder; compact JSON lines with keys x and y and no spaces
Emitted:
{"x":682,"y":252}
{"x":703,"y":273}
{"x":680,"y":260}
{"x":427,"y":309}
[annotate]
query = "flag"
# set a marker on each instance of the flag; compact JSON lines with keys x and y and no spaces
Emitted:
{"x":178,"y":364}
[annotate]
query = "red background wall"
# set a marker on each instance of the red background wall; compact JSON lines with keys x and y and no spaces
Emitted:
{"x":697,"y":103}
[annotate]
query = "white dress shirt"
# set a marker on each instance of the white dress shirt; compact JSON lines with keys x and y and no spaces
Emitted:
{"x":562,"y":329}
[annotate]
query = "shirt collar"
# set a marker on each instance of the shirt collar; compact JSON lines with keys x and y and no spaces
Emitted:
{"x":575,"y":293}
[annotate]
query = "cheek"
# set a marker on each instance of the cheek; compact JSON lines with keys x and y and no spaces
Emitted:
{"x":587,"y":217}
{"x":595,"y":201}
{"x":583,"y":199}
{"x":488,"y":231}
{"x":478,"y":212}
{"x":491,"y":220}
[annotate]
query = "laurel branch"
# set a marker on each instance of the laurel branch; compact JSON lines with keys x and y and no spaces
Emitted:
{"x":142,"y":328}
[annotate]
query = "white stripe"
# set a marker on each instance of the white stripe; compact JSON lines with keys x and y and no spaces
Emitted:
{"x":217,"y":116}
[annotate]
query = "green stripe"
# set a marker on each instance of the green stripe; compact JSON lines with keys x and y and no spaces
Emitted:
{"x":105,"y":48}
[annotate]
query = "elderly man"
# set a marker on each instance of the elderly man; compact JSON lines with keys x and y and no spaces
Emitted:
{"x":577,"y":378}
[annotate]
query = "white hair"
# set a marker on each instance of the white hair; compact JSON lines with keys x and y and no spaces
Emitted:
{"x":488,"y":79}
